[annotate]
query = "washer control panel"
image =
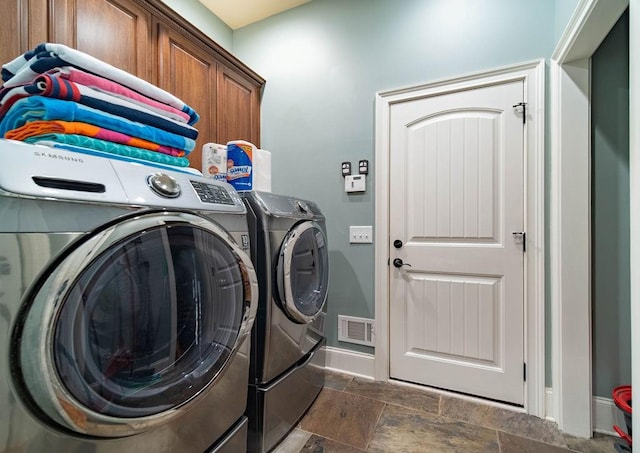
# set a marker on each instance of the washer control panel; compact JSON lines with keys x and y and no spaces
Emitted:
{"x":285,"y":206}
{"x":171,"y":189}
{"x":209,"y":193}
{"x":61,"y":174}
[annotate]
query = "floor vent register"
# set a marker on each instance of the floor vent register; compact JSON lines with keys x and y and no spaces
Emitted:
{"x":356,"y":330}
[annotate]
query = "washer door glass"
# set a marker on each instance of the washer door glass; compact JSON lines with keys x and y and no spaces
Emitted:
{"x":150,"y":322}
{"x":303,"y":272}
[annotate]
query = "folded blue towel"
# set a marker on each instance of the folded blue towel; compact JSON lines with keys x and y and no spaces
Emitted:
{"x":35,"y":108}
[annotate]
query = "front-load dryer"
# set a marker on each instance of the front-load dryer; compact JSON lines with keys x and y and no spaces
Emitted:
{"x":289,"y":250}
{"x":127,"y":298}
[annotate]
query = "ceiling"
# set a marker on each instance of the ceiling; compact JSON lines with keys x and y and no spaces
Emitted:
{"x":238,"y":13}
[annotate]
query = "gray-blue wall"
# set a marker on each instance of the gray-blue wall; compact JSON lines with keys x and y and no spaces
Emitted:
{"x":563,"y":11}
{"x":610,"y":212}
{"x":324,"y":62}
{"x":207,"y":22}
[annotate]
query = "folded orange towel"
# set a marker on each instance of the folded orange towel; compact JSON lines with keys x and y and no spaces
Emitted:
{"x":73,"y":127}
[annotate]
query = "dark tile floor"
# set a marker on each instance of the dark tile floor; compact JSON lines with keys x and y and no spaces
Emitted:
{"x":357,"y":415}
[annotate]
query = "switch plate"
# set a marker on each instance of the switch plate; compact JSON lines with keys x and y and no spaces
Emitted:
{"x":355,"y":183}
{"x":361,"y":234}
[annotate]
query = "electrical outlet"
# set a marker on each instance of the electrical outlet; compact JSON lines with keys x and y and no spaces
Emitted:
{"x":361,"y":234}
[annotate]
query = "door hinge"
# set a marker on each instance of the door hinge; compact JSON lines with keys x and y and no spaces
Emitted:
{"x":521,"y":236}
{"x":524,"y":372}
{"x":521,"y":107}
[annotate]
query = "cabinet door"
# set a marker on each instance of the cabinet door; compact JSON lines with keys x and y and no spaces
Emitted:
{"x":115,"y":31}
{"x":189,"y":72}
{"x":10,"y":35}
{"x":26,"y":26}
{"x":238,"y":107}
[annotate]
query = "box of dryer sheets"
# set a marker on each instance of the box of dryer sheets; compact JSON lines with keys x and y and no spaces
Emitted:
{"x":214,"y":161}
{"x":240,"y":155}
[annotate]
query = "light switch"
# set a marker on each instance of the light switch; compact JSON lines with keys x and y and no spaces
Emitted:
{"x":361,"y":234}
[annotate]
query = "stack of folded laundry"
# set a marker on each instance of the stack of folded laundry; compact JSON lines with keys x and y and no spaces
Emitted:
{"x":64,"y":98}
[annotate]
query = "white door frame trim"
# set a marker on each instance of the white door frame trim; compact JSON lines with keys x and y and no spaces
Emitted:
{"x":533,"y":75}
{"x":634,"y":177}
{"x":570,"y":213}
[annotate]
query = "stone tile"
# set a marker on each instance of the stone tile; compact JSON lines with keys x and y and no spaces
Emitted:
{"x":294,"y":442}
{"x":516,"y":444}
{"x":600,"y":443}
{"x":397,"y":394}
{"x":335,"y":380}
{"x":343,"y":417}
{"x":405,"y":430}
{"x":317,"y":444}
{"x":502,"y":419}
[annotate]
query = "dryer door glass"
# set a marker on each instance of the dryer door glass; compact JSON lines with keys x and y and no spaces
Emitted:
{"x":150,"y":322}
{"x":303,"y":272}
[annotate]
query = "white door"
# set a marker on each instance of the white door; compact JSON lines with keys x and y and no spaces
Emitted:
{"x":456,"y":198}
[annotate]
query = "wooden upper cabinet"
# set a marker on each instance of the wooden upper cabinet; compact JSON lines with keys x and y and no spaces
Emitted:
{"x":189,"y":72}
{"x":150,"y":40}
{"x":238,"y":107}
{"x":115,"y":31}
{"x":25,"y":26}
{"x":10,"y":33}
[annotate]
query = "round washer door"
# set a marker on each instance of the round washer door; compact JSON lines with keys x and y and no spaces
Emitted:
{"x":136,"y":322}
{"x":303,"y":272}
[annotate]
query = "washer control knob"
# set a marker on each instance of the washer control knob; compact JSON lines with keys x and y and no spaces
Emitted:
{"x":302,"y":206}
{"x":164,"y":185}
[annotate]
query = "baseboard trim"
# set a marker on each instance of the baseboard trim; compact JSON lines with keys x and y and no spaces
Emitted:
{"x":350,"y":362}
{"x":604,"y":412}
{"x":605,"y":415}
{"x":548,"y":404}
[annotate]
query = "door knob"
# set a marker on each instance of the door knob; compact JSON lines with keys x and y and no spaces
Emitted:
{"x":397,"y":243}
{"x":397,"y":262}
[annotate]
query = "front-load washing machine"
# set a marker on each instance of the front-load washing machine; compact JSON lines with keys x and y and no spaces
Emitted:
{"x":127,"y":297}
{"x":289,"y":250}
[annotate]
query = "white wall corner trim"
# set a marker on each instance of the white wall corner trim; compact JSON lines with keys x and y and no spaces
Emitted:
{"x":570,"y":214}
{"x":350,"y":362}
{"x":533,"y":75}
{"x":570,"y":233}
{"x":634,"y":177}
